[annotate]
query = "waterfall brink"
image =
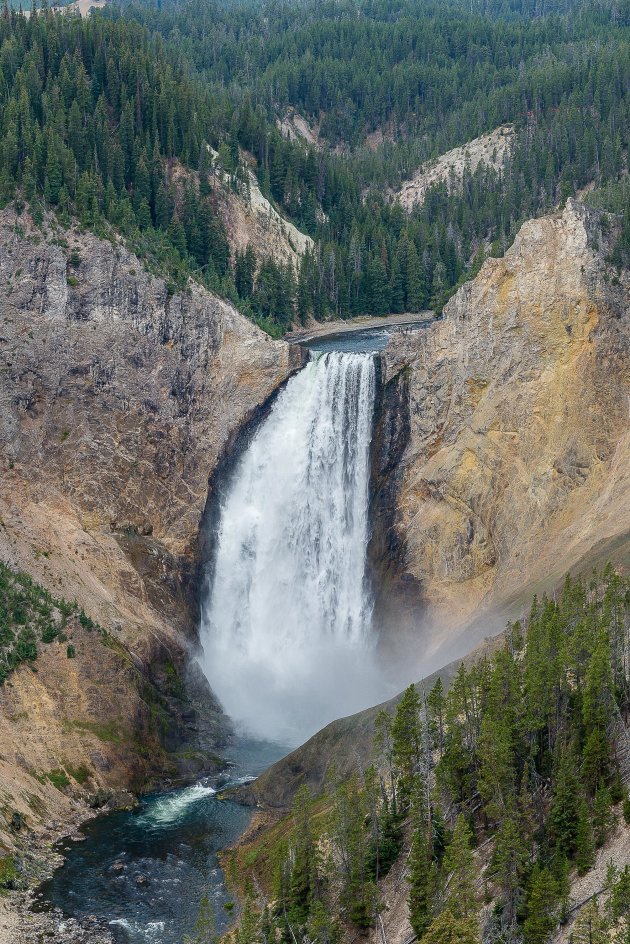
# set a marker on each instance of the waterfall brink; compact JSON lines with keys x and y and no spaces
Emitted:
{"x":286,"y":625}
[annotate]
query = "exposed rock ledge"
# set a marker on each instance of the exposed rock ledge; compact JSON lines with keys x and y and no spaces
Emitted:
{"x":516,"y":465}
{"x":117,"y":401}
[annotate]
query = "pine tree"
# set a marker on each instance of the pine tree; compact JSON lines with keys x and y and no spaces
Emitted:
{"x":322,"y":927}
{"x":177,"y":235}
{"x":542,"y":907}
{"x":396,"y":286}
{"x":421,"y":878}
{"x":590,"y":927}
{"x":244,"y":269}
{"x":407,"y":740}
{"x":378,"y":299}
{"x":302,"y":881}
{"x":437,"y":708}
{"x":459,"y":865}
{"x":585,"y":845}
{"x":508,"y":866}
{"x":602,"y":816}
{"x":204,"y":929}
{"x":447,"y":929}
{"x":563,"y":815}
{"x":415,"y":299}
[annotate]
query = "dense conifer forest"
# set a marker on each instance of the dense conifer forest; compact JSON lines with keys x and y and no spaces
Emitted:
{"x":495,"y":792}
{"x":98,"y":113}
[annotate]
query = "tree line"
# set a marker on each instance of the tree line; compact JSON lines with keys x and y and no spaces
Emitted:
{"x":432,"y":76}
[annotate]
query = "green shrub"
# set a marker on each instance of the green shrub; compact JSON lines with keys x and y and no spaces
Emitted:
{"x":85,"y":621}
{"x":109,"y":732}
{"x":30,"y":615}
{"x":616,"y":789}
{"x":73,"y":281}
{"x":81,"y":773}
{"x":8,"y":872}
{"x":626,"y":810}
{"x":58,"y":778}
{"x":50,"y":633}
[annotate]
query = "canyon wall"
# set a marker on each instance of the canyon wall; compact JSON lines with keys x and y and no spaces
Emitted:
{"x":514,"y":467}
{"x":119,"y":398}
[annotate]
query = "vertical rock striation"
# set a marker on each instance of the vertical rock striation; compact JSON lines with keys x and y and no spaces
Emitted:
{"x":515,"y":468}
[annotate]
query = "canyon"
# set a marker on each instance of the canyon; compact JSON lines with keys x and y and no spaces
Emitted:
{"x":499,"y":462}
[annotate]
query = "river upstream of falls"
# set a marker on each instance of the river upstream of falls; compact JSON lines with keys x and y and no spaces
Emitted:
{"x":288,"y":645}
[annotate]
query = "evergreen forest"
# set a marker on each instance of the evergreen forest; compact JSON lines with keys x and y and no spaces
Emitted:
{"x":493,"y":792}
{"x":125,"y":121}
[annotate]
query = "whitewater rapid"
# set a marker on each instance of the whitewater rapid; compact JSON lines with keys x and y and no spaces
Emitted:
{"x":286,"y":623}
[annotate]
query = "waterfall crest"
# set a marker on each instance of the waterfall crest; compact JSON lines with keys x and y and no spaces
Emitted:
{"x":286,"y":624}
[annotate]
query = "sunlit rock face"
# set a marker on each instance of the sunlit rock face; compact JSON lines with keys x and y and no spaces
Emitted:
{"x":515,"y":463}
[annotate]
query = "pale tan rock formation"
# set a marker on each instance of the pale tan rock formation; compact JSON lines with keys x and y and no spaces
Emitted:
{"x":516,"y":463}
{"x":491,"y":150}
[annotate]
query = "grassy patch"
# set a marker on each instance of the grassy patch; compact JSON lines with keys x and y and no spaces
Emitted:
{"x":81,"y":773}
{"x":254,"y":863}
{"x":110,"y":731}
{"x":8,"y":872}
{"x":175,"y":685}
{"x":59,"y":778}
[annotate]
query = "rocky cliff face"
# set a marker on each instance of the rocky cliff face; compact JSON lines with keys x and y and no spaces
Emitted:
{"x":491,"y":150}
{"x":118,"y":400}
{"x":515,"y":464}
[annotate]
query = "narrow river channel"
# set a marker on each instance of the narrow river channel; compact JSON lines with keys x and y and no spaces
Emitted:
{"x":142,"y":873}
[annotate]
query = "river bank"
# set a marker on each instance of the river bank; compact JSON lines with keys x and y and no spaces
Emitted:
{"x":19,"y":923}
{"x":134,"y":871}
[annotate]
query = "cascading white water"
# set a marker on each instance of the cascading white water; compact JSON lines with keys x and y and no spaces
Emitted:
{"x":286,"y":623}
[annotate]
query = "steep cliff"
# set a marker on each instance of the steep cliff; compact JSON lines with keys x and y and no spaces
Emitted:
{"x":515,"y":463}
{"x":491,"y":150}
{"x":118,"y":401}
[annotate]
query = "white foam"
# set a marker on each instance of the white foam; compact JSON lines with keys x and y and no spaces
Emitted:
{"x":151,"y":932}
{"x":168,"y":809}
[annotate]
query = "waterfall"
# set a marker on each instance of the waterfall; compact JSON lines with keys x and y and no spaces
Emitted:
{"x":286,"y":623}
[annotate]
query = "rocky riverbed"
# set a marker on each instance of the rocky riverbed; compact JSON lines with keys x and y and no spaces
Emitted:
{"x":19,"y":922}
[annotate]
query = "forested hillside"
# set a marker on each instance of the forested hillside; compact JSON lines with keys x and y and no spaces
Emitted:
{"x":428,"y":77}
{"x":98,"y":114}
{"x":488,"y":798}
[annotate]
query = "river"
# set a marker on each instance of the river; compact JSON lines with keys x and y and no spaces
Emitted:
{"x":143,"y":872}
